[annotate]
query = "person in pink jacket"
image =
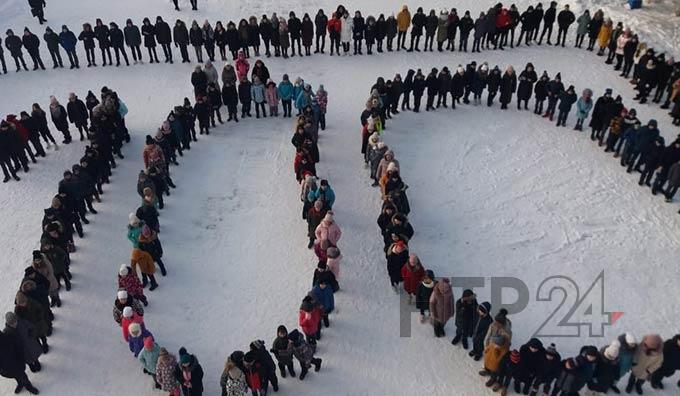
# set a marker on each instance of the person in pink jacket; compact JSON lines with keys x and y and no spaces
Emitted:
{"x":271,"y":95}
{"x":242,"y":66}
{"x":328,"y":229}
{"x":333,"y":259}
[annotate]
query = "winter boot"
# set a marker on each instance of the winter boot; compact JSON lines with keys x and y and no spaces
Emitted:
{"x":456,"y":339}
{"x":496,"y":387}
{"x":283,"y":371}
{"x":317,"y":364}
{"x":464,"y":340}
{"x":638,"y":386}
{"x":490,"y":382}
{"x":32,"y":389}
{"x":631,"y":383}
{"x":504,"y":391}
{"x":483,"y":373}
{"x":291,"y":371}
{"x":517,"y":387}
{"x":303,"y":373}
{"x":615,"y":389}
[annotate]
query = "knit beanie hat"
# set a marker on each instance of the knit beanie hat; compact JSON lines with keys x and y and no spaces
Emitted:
{"x":612,"y":351}
{"x":123,"y":270}
{"x":551,"y":350}
{"x":333,"y":252}
{"x":135,"y":329}
{"x":122,"y":294}
{"x":148,"y":343}
{"x":630,"y":339}
{"x":133,"y":220}
{"x":328,"y":218}
{"x":281,"y":329}
{"x":127,"y":312}
{"x":185,"y":359}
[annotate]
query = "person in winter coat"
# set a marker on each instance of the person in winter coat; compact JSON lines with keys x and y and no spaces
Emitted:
{"x":567,"y":100}
{"x":431,"y":23}
{"x":307,"y":34}
{"x":117,"y":38}
{"x":102,"y":34}
{"x":494,"y":352}
{"x":315,"y":216}
{"x":323,"y":293}
{"x":555,"y":90}
{"x":12,"y":364}
{"x":671,"y":362}
{"x":466,"y":317}
{"x":26,"y":338}
{"x":648,"y":358}
{"x":233,"y":380}
{"x":526,"y":84}
{"x":532,"y":357}
{"x":166,"y":367}
{"x":309,"y":318}
{"x":164,"y":38}
{"x":480,"y":32}
{"x":583,"y":107}
{"x":442,"y":29}
{"x":576,"y":372}
{"x":403,"y":23}
{"x":320,"y":24}
{"x":418,"y":21}
{"x":541,"y":92}
{"x":334,"y":32}
{"x":508,"y":87}
{"x":282,"y":349}
{"x":257,"y":92}
{"x":242,"y":66}
{"x":149,"y":34}
{"x":594,"y":28}
{"x":324,"y":193}
{"x":87,"y":36}
{"x":148,"y":357}
{"x":423,"y":294}
{"x":180,"y":35}
{"x":651,"y":157}
{"x":68,"y":42}
{"x":304,"y":353}
{"x":32,"y":44}
{"x":144,"y":261}
{"x":549,"y":371}
{"x":346,"y":32}
{"x":129,"y":281}
{"x":77,"y":114}
{"x":52,"y":41}
{"x":196,"y":40}
{"x":564,"y":19}
{"x":442,"y":306}
{"x":286,"y":90}
{"x":582,"y":24}
{"x":137,"y":334}
{"x":328,"y":230}
{"x":209,"y":40}
{"x":412,"y":274}
{"x":59,"y":118}
{"x":607,"y":369}
{"x":189,"y":373}
{"x":32,"y":311}
{"x":230,"y":100}
{"x":397,"y":256}
{"x":671,"y":155}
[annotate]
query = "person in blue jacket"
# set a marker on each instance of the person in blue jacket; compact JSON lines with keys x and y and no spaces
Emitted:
{"x":324,"y":193}
{"x":324,"y":295}
{"x":286,"y":92}
{"x":567,"y":100}
{"x":629,"y":140}
{"x":304,"y":98}
{"x":583,"y":107}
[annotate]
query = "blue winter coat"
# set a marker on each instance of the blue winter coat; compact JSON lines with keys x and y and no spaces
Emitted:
{"x":136,"y":344}
{"x":122,"y":108}
{"x":68,"y":40}
{"x":630,"y":136}
{"x":303,"y":100}
{"x":296,"y":91}
{"x":257,"y":93}
{"x":286,"y":90}
{"x":325,"y":297}
{"x":327,"y":196}
{"x":583,"y":108}
{"x":177,"y":129}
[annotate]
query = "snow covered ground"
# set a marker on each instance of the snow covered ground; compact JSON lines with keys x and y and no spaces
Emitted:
{"x":493,"y":194}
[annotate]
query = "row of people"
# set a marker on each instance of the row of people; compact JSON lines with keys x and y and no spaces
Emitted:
{"x":533,"y":368}
{"x":28,"y":326}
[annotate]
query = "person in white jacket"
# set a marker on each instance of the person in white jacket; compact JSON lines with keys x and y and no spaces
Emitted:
{"x":620,"y":44}
{"x":346,"y":29}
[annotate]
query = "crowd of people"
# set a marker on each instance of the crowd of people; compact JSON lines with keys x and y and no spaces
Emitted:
{"x":259,"y":90}
{"x":24,"y":338}
{"x":20,"y":136}
{"x":534,"y":367}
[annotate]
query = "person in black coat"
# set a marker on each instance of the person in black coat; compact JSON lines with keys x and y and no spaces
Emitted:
{"x":37,"y":9}
{"x":245,"y":97}
{"x":598,"y":118}
{"x":2,"y":58}
{"x":118,"y":43}
{"x":431,"y":23}
{"x":526,"y":20}
{"x":526,"y":84}
{"x":381,"y":28}
{"x":484,"y":320}
{"x":254,"y":35}
{"x":180,"y":35}
{"x":567,"y":100}
{"x":531,"y":362}
{"x":189,"y":363}
{"x":32,"y":44}
{"x":202,"y":110}
{"x":7,"y":141}
{"x":77,"y":113}
{"x":670,"y":156}
{"x":541,"y":92}
{"x":164,"y":38}
{"x":199,"y":81}
{"x":266,"y":32}
{"x":264,"y":358}
{"x":307,"y":34}
{"x":671,"y":362}
{"x":548,"y":372}
{"x":555,"y":89}
{"x":418,"y":88}
{"x":358,"y":32}
{"x":444,"y":86}
{"x":466,"y":317}
{"x":465,"y":25}
{"x":295,"y":31}
{"x":432,"y":83}
{"x":418,"y":22}
{"x":52,"y":41}
{"x":508,"y":87}
{"x":457,"y":86}
{"x":215,"y":100}
{"x":564,"y":19}
{"x":87,"y":37}
{"x":196,"y":40}
{"x":320,"y":24}
{"x":408,"y":87}
{"x":12,"y":363}
{"x":651,"y":158}
{"x":424,"y":292}
{"x":133,"y":39}
{"x":101,"y":32}
{"x":33,"y":133}
{"x":230,"y":99}
{"x":149,"y":33}
{"x":493,"y":83}
{"x":469,"y":76}
{"x":548,"y":22}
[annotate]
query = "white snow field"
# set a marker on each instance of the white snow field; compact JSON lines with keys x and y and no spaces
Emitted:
{"x":492,"y":193}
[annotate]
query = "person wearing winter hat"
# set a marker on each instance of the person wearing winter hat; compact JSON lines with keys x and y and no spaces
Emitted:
{"x":671,"y":362}
{"x":148,"y":357}
{"x":607,"y":368}
{"x":128,"y":281}
{"x":322,"y":273}
{"x":494,"y":352}
{"x":130,"y":317}
{"x":304,"y":353}
{"x":190,"y":373}
{"x":123,"y":299}
{"x":550,"y":369}
{"x":508,"y":368}
{"x":480,"y":330}
{"x":137,"y":334}
{"x":442,"y":306}
{"x":24,"y":332}
{"x":532,"y":359}
{"x":282,"y":349}
{"x":397,"y":257}
{"x":647,"y":359}
{"x":134,"y":229}
{"x":255,"y":375}
{"x":333,"y":260}
{"x":423,"y":294}
{"x":166,"y":368}
{"x":328,"y":230}
{"x":323,"y":293}
{"x":466,"y":316}
{"x":412,"y":273}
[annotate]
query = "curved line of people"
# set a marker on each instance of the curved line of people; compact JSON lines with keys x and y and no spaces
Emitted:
{"x":237,"y":88}
{"x":24,"y":338}
{"x":534,"y":368}
{"x":17,"y":132}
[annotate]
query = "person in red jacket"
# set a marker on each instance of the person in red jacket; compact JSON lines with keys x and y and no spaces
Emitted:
{"x":503,"y":22}
{"x":255,"y":375}
{"x":334,"y":26}
{"x":23,"y":134}
{"x":412,"y":273}
{"x":310,"y":319}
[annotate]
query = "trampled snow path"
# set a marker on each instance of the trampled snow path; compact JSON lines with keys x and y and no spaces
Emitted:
{"x":235,"y":243}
